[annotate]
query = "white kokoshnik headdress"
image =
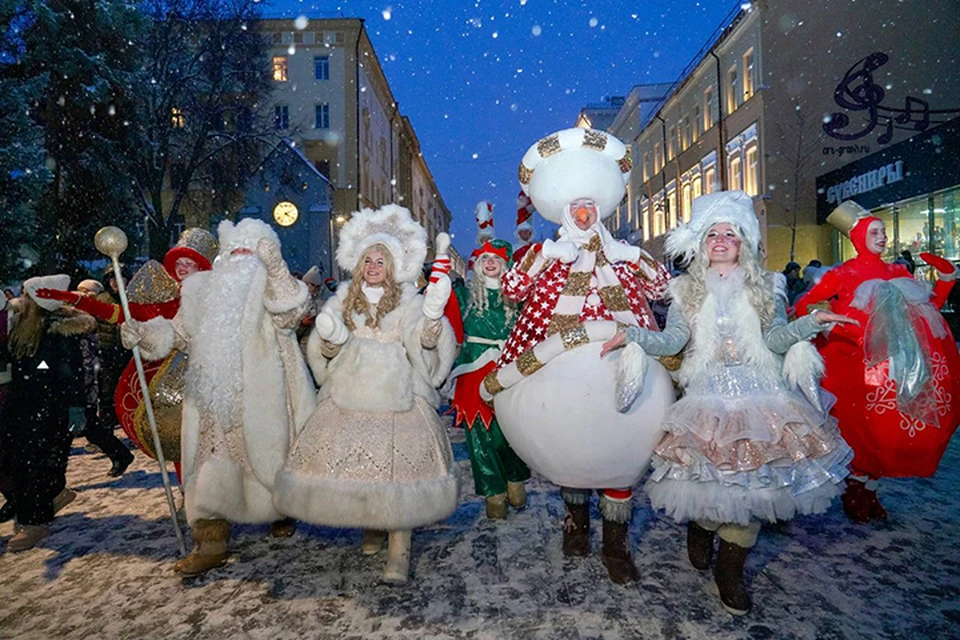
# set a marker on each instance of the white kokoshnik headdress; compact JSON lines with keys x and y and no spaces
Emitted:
{"x":732,"y":207}
{"x":392,"y":226}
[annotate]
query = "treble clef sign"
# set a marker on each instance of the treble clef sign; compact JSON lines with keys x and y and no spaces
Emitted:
{"x":857,"y":92}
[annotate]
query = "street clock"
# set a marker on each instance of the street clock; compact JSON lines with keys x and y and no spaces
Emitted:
{"x":285,"y":213}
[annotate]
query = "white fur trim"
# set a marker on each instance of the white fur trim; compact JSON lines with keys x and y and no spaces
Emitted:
{"x":391,"y":226}
{"x":575,"y":171}
{"x":733,"y":207}
{"x":157,"y":338}
{"x":221,"y":489}
{"x":803,"y":368}
{"x":60,"y":282}
{"x":631,"y":369}
{"x":245,"y":234}
{"x":355,"y":503}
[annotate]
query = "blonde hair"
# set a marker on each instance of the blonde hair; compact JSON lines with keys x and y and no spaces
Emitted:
{"x":356,"y":301}
{"x":479,"y":300}
{"x":26,"y":334}
{"x":755,"y":283}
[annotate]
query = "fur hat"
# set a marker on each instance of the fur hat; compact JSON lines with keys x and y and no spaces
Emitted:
{"x":60,"y":282}
{"x":195,"y":243}
{"x":575,"y":163}
{"x":733,"y":207}
{"x":313,"y":276}
{"x":392,"y":226}
{"x":244,"y":235}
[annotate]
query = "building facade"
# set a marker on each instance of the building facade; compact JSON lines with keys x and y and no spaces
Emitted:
{"x":783,"y":93}
{"x":333,"y":101}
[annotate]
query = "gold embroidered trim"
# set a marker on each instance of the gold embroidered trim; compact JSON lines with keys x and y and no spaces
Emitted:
{"x":528,"y":259}
{"x":548,"y":146}
{"x":594,"y":244}
{"x":615,"y":298}
{"x":573,"y":338}
{"x":525,"y":174}
{"x":594,"y":140}
{"x":492,"y":384}
{"x":578,"y":284}
{"x":563,"y":322}
{"x":626,"y":162}
{"x":527,"y":363}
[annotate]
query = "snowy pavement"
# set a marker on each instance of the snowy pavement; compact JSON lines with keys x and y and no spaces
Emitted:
{"x":106,"y":572}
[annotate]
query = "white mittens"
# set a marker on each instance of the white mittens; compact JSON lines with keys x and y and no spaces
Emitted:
{"x":331,"y":328}
{"x":565,"y":252}
{"x":131,"y":333}
{"x":436,"y":296}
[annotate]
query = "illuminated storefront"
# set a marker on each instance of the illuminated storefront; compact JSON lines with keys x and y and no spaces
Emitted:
{"x":913,"y":186}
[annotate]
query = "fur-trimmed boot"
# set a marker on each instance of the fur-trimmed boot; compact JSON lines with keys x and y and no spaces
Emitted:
{"x":699,"y":545}
{"x":497,"y":506}
{"x":856,"y":502}
{"x":616,"y":554}
{"x":576,"y":530}
{"x":372,"y":542}
{"x":210,"y":539}
{"x":398,"y":557}
{"x":283,"y":528}
{"x":728,"y":574}
{"x":517,"y":494}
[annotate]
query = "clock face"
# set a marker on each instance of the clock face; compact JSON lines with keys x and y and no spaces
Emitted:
{"x":285,"y":213}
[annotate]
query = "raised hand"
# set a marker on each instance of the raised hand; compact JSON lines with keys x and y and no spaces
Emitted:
{"x":946,"y":269}
{"x":436,"y":296}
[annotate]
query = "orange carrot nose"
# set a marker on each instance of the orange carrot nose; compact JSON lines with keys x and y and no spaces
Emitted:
{"x":582,"y":214}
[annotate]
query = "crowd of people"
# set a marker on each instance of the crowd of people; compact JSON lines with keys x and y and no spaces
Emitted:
{"x":285,"y":398}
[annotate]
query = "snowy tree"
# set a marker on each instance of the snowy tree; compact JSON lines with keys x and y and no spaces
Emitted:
{"x":198,"y":102}
{"x":23,"y":172}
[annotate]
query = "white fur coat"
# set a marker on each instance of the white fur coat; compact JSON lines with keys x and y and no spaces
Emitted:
{"x":383,"y":375}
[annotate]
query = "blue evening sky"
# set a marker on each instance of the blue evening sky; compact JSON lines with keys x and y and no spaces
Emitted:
{"x":481,"y":80}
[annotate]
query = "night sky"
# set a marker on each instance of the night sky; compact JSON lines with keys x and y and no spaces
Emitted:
{"x":482,"y":81}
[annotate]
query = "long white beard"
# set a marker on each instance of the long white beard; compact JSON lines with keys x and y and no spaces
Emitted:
{"x":232,"y":314}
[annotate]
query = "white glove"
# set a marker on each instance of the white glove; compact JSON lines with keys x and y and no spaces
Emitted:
{"x":331,"y":328}
{"x":131,"y":333}
{"x":442,"y":243}
{"x":436,"y":296}
{"x":565,"y":252}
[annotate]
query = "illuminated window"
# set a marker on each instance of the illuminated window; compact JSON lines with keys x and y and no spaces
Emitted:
{"x":687,"y":200}
{"x":708,"y":108}
{"x":710,"y":180}
{"x":697,"y":122}
{"x":697,"y":187}
{"x":751,"y":176}
{"x":733,"y":89}
{"x":748,"y":77}
{"x":672,"y":143}
{"x":657,"y":158}
{"x":736,"y":173}
{"x":280,"y":68}
{"x":672,"y":208}
{"x":177,"y":119}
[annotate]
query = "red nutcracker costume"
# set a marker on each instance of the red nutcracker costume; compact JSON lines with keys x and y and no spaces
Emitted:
{"x":563,"y":409}
{"x":524,"y":230}
{"x":897,"y":375}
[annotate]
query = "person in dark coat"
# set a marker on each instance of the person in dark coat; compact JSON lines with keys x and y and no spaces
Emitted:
{"x":45,"y":395}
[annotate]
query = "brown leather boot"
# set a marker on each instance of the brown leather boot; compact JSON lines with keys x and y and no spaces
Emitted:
{"x":699,"y":546}
{"x":616,"y":554}
{"x":856,"y":503}
{"x":517,"y":495}
{"x":283,"y":528}
{"x":576,"y":530}
{"x":210,"y":548}
{"x":728,"y":574}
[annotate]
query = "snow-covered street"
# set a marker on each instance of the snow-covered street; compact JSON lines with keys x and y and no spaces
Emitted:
{"x":106,"y":572}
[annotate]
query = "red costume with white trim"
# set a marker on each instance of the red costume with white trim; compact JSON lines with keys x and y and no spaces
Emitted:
{"x":886,"y":440}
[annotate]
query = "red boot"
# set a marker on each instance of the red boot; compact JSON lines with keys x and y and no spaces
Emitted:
{"x":874,"y":508}
{"x":856,"y":502}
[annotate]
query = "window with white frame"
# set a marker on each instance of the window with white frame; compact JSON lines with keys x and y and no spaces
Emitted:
{"x":752,"y":173}
{"x":733,"y":89}
{"x":697,"y":186}
{"x":658,"y":216}
{"x":671,"y":143}
{"x":645,"y":217}
{"x":687,"y":133}
{"x":686,"y":199}
{"x":672,"y":208}
{"x":708,"y":108}
{"x":322,"y":116}
{"x":321,"y":67}
{"x":736,"y":173}
{"x":749,"y":79}
{"x":710,"y":179}
{"x":646,"y":166}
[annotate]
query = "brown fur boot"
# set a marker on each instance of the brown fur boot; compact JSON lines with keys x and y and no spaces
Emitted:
{"x":728,"y":574}
{"x":283,"y":528}
{"x":576,"y":530}
{"x":616,"y":554}
{"x":517,"y":495}
{"x":210,"y":548}
{"x":699,"y":546}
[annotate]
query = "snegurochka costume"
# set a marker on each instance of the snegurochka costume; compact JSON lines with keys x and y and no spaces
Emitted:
{"x":498,"y":472}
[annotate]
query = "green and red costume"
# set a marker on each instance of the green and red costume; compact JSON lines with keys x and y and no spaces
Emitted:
{"x":492,"y":460}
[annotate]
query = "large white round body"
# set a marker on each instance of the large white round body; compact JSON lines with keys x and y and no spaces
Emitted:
{"x":563,"y":422}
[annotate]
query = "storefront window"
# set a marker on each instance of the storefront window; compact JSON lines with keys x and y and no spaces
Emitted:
{"x":914,"y":221}
{"x":946,"y":224}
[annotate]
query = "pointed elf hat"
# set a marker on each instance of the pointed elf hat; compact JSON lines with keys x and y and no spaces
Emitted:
{"x":525,"y":211}
{"x":575,"y":163}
